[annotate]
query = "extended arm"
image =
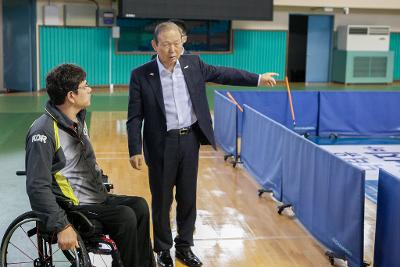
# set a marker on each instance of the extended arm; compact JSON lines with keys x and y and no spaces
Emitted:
{"x":231,"y":76}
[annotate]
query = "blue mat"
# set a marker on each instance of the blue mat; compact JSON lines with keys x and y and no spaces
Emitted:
{"x":371,"y":186}
{"x":355,"y":140}
{"x":371,"y":190}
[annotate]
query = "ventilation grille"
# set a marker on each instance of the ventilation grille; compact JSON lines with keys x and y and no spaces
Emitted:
{"x":370,"y":67}
{"x":361,"y":67}
{"x":379,"y":31}
{"x":358,"y":30}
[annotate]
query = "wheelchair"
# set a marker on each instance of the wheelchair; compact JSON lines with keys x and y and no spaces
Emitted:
{"x":26,"y":243}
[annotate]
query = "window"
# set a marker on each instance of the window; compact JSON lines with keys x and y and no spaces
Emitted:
{"x":203,"y":35}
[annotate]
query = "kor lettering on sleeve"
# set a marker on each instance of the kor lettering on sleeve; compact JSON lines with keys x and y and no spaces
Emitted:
{"x":39,"y":138}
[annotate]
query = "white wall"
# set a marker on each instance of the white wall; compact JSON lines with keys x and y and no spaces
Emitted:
{"x":373,"y":4}
{"x":361,"y":12}
{"x":370,"y":18}
{"x":61,"y":3}
{"x":356,"y":16}
{"x":1,"y":48}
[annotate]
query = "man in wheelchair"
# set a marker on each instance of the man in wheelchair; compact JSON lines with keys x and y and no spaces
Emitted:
{"x":61,"y":164}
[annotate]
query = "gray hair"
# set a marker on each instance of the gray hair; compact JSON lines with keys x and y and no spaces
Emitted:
{"x":163,"y":27}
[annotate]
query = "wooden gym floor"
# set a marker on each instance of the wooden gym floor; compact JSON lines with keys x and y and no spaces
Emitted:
{"x":234,"y":226}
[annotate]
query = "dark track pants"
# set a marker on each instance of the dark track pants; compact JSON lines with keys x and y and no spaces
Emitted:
{"x":126,"y":220}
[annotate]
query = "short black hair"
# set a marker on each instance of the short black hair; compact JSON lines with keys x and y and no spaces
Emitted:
{"x":61,"y":80}
{"x":181,"y":24}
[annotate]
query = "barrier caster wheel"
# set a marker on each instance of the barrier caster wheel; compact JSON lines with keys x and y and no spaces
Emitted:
{"x":280,"y":210}
{"x":331,"y":257}
{"x":333,"y":136}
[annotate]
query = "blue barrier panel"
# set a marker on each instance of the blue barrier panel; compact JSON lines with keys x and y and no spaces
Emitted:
{"x":327,"y":195}
{"x":261,"y":149}
{"x":359,"y":113}
{"x":275,"y":105}
{"x":225,"y":123}
{"x":387,"y":235}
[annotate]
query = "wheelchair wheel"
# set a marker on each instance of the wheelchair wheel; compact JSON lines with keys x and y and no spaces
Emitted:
{"x":24,"y":244}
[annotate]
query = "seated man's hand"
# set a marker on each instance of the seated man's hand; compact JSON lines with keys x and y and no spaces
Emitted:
{"x":67,"y":238}
{"x":136,"y":161}
{"x":267,"y":79}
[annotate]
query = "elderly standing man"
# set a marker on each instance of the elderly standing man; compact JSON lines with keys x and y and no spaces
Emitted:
{"x":168,"y":96}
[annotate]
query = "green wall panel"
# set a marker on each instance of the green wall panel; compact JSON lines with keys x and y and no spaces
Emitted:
{"x":87,"y":47}
{"x":256,"y":51}
{"x":123,"y":65}
{"x":395,"y":47}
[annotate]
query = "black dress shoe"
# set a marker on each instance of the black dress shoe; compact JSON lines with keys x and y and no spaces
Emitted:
{"x":164,"y":259}
{"x":187,"y":257}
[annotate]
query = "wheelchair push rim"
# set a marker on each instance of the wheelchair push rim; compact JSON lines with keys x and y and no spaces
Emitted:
{"x":23,"y":244}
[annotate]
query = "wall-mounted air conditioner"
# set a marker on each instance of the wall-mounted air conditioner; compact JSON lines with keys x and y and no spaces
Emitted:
{"x":363,"y":38}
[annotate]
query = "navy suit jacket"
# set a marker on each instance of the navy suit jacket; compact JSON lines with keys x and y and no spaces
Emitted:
{"x":146,"y":103}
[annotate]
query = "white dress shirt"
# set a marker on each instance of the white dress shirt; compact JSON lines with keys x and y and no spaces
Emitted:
{"x":178,"y":105}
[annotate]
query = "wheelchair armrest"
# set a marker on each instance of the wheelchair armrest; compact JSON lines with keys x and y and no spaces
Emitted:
{"x":104,"y":177}
{"x":81,"y":223}
{"x":84,"y":226}
{"x":65,"y":204}
{"x":108,"y":186}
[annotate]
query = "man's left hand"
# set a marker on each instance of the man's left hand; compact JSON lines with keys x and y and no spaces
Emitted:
{"x":267,"y":79}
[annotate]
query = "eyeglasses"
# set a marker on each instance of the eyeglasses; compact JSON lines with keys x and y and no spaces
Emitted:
{"x":169,"y":45}
{"x":84,"y":87}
